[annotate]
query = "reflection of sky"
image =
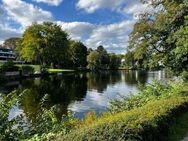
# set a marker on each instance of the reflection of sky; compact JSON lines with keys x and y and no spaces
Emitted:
{"x":99,"y":102}
{"x":14,"y":112}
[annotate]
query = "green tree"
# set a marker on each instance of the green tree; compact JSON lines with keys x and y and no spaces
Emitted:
{"x":100,"y":59}
{"x":78,"y":52}
{"x":103,"y":57}
{"x":159,"y":36}
{"x":44,"y":43}
{"x":115,"y":61}
{"x":93,"y":60}
{"x":129,"y":60}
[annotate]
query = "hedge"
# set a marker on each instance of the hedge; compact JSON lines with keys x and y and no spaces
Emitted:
{"x":147,"y":123}
{"x":147,"y":116}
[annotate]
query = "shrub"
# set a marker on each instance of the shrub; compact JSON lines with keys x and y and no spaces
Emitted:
{"x":45,"y":122}
{"x":153,"y":91}
{"x":3,"y":79}
{"x":7,"y":132}
{"x":27,"y":69}
{"x":149,"y":122}
{"x":184,"y":75}
{"x":9,"y":66}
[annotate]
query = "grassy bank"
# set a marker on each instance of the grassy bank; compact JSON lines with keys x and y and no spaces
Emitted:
{"x":36,"y":67}
{"x":59,"y":70}
{"x":145,"y":116}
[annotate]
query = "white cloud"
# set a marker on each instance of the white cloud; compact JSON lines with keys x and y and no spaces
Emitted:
{"x":50,"y":2}
{"x":92,"y":5}
{"x":25,"y":13}
{"x":123,"y":6}
{"x":113,"y":37}
{"x":77,"y":30}
{"x":6,"y":32}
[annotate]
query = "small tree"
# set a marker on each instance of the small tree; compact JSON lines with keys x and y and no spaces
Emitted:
{"x":93,"y":60}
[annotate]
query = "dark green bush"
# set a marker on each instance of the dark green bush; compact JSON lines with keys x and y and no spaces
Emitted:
{"x":9,"y":66}
{"x":2,"y":79}
{"x":27,"y":69}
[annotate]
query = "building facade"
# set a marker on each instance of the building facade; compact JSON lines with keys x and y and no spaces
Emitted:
{"x":7,"y":54}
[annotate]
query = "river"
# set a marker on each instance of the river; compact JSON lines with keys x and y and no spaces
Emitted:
{"x":77,"y":92}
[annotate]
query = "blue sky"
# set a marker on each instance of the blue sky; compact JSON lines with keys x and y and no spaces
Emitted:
{"x":94,"y":22}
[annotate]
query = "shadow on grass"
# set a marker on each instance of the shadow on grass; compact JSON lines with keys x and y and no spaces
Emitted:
{"x":179,"y":130}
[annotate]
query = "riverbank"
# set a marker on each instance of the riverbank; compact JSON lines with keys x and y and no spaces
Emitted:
{"x":11,"y":71}
{"x":146,"y":116}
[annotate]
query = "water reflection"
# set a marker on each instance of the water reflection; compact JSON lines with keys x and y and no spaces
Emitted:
{"x":100,"y":81}
{"x":77,"y":92}
{"x":55,"y":90}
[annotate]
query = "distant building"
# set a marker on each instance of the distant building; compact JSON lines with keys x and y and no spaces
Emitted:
{"x":7,"y":54}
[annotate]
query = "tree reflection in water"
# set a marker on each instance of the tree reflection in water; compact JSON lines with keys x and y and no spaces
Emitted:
{"x":61,"y":91}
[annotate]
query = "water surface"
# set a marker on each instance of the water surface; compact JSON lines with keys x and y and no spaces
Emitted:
{"x":77,"y":92}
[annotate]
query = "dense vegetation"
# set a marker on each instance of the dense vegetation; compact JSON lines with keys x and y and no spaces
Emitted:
{"x":100,"y":59}
{"x":159,"y":38}
{"x":48,"y":45}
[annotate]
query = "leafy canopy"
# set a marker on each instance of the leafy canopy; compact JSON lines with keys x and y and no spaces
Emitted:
{"x":45,"y":43}
{"x":161,"y":37}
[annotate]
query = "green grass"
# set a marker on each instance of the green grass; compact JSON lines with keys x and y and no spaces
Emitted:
{"x":36,"y":67}
{"x":1,"y":64}
{"x":59,"y":70}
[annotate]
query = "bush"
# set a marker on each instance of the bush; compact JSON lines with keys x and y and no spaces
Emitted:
{"x":149,"y":122}
{"x":9,"y":66}
{"x":156,"y":90}
{"x":27,"y":69}
{"x":45,"y":122}
{"x":184,"y":75}
{"x":3,"y":79}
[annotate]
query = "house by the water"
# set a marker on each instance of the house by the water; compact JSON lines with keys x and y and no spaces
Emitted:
{"x":7,"y":54}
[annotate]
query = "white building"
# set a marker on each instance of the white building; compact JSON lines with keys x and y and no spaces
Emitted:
{"x":7,"y":54}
